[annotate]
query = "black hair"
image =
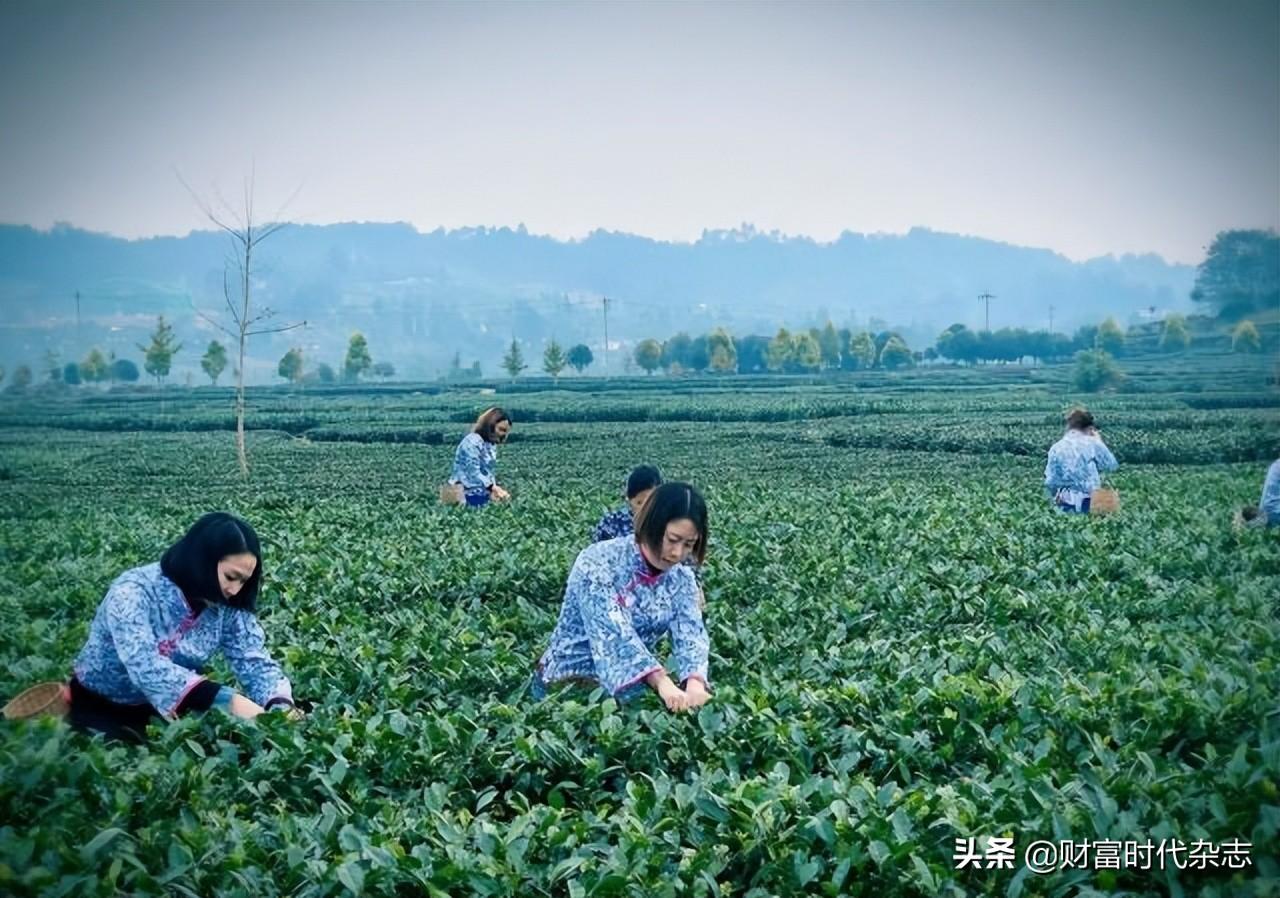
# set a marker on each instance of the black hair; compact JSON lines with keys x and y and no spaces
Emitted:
{"x":644,"y":477}
{"x":670,"y":502}
{"x":192,"y":562}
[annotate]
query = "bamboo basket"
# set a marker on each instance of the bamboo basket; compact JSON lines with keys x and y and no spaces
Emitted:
{"x":1104,"y":500}
{"x":51,"y":699}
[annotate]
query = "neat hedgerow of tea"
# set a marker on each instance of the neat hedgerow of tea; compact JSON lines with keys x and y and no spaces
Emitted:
{"x":908,"y":648}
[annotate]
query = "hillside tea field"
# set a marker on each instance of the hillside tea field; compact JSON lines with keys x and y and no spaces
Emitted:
{"x":908,"y":649}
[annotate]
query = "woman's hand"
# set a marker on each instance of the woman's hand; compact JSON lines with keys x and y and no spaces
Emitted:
{"x":243,"y":708}
{"x":672,"y":695}
{"x":498,"y":494}
{"x":696,"y":694}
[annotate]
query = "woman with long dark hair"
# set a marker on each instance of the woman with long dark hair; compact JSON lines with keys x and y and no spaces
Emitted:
{"x":160,"y":624}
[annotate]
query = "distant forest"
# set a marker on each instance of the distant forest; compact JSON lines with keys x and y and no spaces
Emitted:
{"x":451,"y":303}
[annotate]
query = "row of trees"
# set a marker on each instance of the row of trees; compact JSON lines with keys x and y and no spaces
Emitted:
{"x":554,"y":359}
{"x":96,"y":367}
{"x":358,"y":362}
{"x":829,"y":348}
{"x":960,"y":344}
{"x":818,"y":349}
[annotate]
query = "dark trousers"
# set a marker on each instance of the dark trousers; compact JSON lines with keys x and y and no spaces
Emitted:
{"x":94,"y":713}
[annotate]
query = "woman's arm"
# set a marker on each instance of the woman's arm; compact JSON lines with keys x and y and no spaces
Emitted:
{"x":689,"y":639}
{"x":244,"y":644}
{"x":1103,"y":457}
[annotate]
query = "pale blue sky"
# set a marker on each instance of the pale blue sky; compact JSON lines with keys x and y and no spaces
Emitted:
{"x":1088,"y":128}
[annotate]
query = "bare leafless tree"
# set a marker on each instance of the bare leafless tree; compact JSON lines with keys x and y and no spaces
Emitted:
{"x":246,"y":234}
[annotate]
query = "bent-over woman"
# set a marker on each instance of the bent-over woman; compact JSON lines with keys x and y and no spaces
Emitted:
{"x":624,"y":595}
{"x":476,"y":459}
{"x":160,"y":624}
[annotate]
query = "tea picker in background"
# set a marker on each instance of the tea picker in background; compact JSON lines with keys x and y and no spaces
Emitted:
{"x":621,"y":521}
{"x":160,"y":624}
{"x":624,"y":595}
{"x":473,"y":480}
{"x":1076,"y":464}
{"x":1267,"y":512}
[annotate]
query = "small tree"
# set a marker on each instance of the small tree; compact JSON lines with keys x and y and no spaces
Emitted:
{"x":125,"y":370}
{"x":724,"y":355}
{"x":863,"y":350}
{"x":159,"y":355}
{"x":806,"y":352}
{"x":358,"y":360}
{"x":675,"y":351}
{"x":214,"y":361}
{"x":21,"y":378}
{"x":513,"y":361}
{"x":958,"y":343}
{"x":246,"y":234}
{"x":896,"y":354}
{"x":290,"y":367}
{"x":648,"y":355}
{"x":70,"y":374}
{"x":699,"y":357}
{"x":1110,"y":337}
{"x":781,"y":351}
{"x":580,"y":357}
{"x":383,"y":370}
{"x":1096,"y":370}
{"x":325,"y":373}
{"x":1245,"y":338}
{"x":95,"y":367}
{"x":553,"y":360}
{"x":1175,"y":336}
{"x":829,"y":342}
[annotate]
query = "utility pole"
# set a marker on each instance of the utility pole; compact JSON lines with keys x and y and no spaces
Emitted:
{"x":79,"y":338}
{"x":986,"y":298}
{"x":604,"y":301}
{"x":1051,"y":319}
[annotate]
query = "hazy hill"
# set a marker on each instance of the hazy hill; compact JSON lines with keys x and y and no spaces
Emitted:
{"x":421,"y":297}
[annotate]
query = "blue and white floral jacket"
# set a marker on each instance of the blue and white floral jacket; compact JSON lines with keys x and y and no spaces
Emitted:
{"x":616,"y":609}
{"x":1075,"y":466}
{"x":474,"y":463}
{"x":148,"y":645}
